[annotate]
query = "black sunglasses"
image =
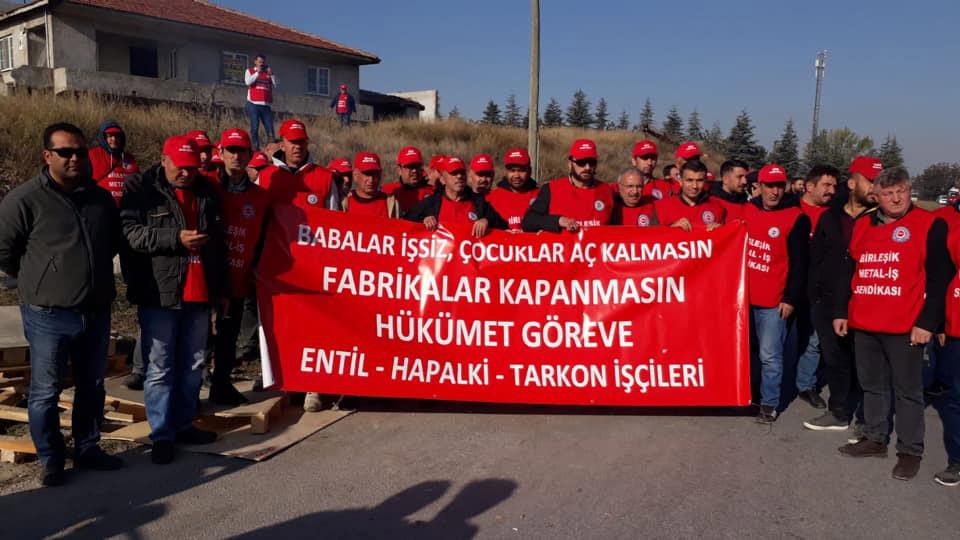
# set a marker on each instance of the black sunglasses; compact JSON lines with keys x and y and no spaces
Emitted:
{"x":67,"y":153}
{"x":585,"y":162}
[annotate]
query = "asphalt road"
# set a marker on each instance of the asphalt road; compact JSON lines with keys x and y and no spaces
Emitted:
{"x":536,"y":474}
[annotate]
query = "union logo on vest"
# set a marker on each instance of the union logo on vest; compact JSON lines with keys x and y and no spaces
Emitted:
{"x":901,"y":234}
{"x":773,"y":232}
{"x":643,"y":220}
{"x":598,"y":206}
{"x":249,"y":212}
{"x":708,"y":217}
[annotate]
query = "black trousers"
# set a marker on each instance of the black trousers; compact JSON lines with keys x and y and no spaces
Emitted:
{"x":249,"y":345}
{"x":225,"y":342}
{"x":885,"y":360}
{"x":841,"y":369}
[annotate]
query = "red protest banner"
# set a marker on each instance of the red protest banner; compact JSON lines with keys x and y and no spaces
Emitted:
{"x":609,"y":316}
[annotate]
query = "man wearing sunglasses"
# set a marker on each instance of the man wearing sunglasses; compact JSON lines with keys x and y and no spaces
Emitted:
{"x":578,"y":200}
{"x":59,"y":233}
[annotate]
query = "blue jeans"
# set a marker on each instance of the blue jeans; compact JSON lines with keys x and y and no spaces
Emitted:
{"x":809,"y":362}
{"x":344,"y":120}
{"x":174,"y":341}
{"x":259,"y":114}
{"x":770,"y":333}
{"x":56,"y":336}
{"x":944,"y":371}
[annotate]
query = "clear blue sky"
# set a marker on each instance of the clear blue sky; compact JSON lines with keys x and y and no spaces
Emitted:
{"x":894,"y":67}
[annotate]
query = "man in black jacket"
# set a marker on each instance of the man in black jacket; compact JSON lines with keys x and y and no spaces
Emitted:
{"x":59,"y":233}
{"x":176,"y":271}
{"x":830,"y":241}
{"x":456,"y":203}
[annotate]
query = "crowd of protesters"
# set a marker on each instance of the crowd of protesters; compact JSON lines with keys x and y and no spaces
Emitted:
{"x":848,"y":281}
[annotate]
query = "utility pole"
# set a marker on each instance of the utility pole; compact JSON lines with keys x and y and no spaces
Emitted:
{"x":533,"y":111}
{"x":821,"y":65}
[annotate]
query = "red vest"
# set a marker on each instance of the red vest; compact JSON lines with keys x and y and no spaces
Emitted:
{"x":194,"y":283}
{"x":453,"y":212}
{"x":767,"y":257}
{"x":343,"y":103}
{"x":512,"y":205}
{"x":706,"y":212}
{"x":812,"y":212}
{"x":590,"y":207}
{"x":109,"y":172}
{"x":376,"y":206}
{"x":951,"y":216}
{"x":407,"y":196}
{"x":636,"y":216}
{"x":243,"y":215}
{"x":283,"y":185}
{"x":733,"y":210}
{"x":661,"y":188}
{"x":890,"y":280}
{"x":262,"y":90}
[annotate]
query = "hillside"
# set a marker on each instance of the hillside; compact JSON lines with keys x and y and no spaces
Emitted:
{"x":148,"y":125}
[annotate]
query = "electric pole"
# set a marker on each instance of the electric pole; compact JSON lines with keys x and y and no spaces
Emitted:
{"x":533,"y":111}
{"x":821,"y":65}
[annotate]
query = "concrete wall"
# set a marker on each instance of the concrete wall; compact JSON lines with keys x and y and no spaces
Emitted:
{"x":74,"y":44}
{"x":430,"y":99}
{"x":19,"y":31}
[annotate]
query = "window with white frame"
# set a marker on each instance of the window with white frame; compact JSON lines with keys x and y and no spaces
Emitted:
{"x":232,"y":66}
{"x":318,"y":81}
{"x":6,"y":53}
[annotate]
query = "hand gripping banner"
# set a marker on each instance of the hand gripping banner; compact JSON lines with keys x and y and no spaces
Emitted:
{"x":609,"y":316}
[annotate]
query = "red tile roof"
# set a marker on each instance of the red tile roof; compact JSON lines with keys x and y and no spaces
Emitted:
{"x":201,"y":13}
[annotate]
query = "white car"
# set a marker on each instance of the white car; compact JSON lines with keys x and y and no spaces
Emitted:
{"x":942,"y":200}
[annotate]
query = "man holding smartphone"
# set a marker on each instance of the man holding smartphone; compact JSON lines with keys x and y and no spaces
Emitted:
{"x":176,"y":271}
{"x":260,"y":83}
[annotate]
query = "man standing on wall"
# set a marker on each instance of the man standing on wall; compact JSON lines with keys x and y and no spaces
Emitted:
{"x":260,"y":82}
{"x":344,"y":105}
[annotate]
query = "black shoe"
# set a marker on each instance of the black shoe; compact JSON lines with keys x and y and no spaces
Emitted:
{"x":767,"y":414}
{"x":52,"y":477}
{"x":162,"y":453}
{"x":864,"y":448}
{"x":258,"y":384}
{"x":134,"y":381}
{"x":192,"y":435}
{"x":96,"y":459}
{"x":812,"y":397}
{"x":907,"y":467}
{"x":226,"y":394}
{"x":207,"y":378}
{"x":827,"y":422}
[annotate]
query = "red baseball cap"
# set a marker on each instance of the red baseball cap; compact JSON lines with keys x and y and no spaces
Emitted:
{"x":200,"y":137}
{"x":481,"y":163}
{"x":409,"y":155}
{"x":436,"y":162}
{"x":772,"y":173}
{"x":234,"y":137}
{"x":293,"y":130}
{"x":182,"y":151}
{"x":583,"y":149}
{"x":710,"y":176}
{"x":870,"y":167}
{"x":113,"y":129}
{"x":453,"y":164}
{"x":343,"y":87}
{"x":687,"y":150}
{"x":215,"y":158}
{"x":645,"y":148}
{"x":259,"y":161}
{"x":517,"y":156}
{"x":366,"y":162}
{"x":340,"y":165}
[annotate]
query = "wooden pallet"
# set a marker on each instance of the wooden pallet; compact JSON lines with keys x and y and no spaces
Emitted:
{"x":16,"y":449}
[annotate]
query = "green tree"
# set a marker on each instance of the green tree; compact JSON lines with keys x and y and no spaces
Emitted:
{"x":491,"y":115}
{"x":937,"y":179}
{"x":713,"y":138}
{"x":836,"y":147}
{"x":601,"y":117}
{"x":673,"y":125}
{"x":786,"y":151}
{"x":578,"y":113}
{"x":694,"y":128}
{"x":511,"y":112}
{"x":741,"y":143}
{"x":624,"y":121}
{"x":646,"y":116}
{"x":891,"y":154}
{"x":454,"y":114}
{"x":553,"y":114}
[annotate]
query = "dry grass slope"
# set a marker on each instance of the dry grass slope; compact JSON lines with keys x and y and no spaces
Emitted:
{"x":148,"y":125}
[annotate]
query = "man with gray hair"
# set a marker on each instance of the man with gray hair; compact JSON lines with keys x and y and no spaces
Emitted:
{"x":895,"y":277}
{"x":630,"y":207}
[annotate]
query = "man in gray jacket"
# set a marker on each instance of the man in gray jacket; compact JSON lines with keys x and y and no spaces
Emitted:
{"x":59,"y":233}
{"x":176,"y":271}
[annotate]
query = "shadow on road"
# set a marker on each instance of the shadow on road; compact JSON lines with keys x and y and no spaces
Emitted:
{"x":107,"y":504}
{"x":389,"y":519}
